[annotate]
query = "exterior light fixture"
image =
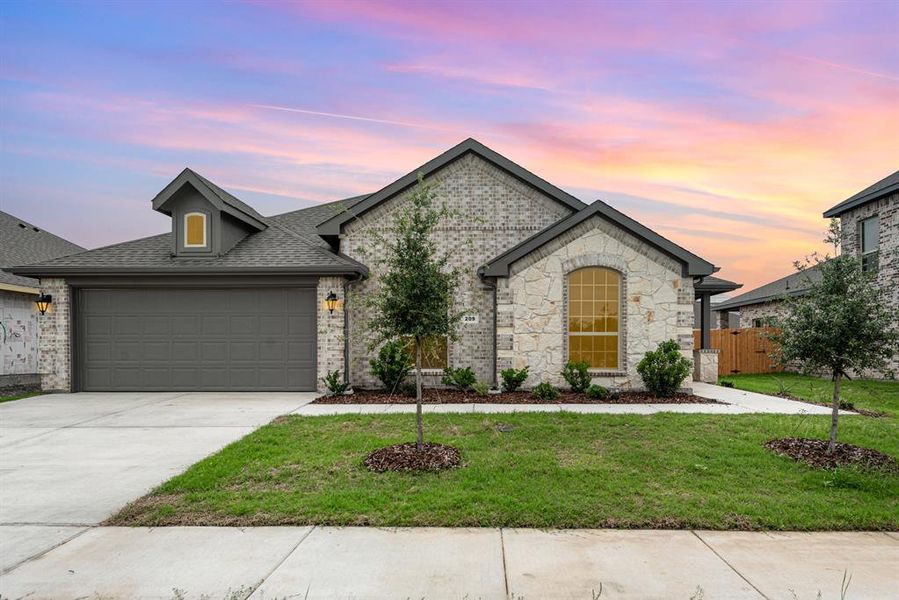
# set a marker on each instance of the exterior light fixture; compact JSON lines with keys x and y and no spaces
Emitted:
{"x":43,"y":302}
{"x":331,"y":301}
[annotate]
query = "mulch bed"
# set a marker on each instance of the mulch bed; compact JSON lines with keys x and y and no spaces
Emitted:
{"x":453,"y":396}
{"x":867,"y":413}
{"x":814,"y":453}
{"x":407,"y":457}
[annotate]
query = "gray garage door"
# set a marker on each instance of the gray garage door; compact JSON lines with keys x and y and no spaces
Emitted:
{"x":196,"y":339}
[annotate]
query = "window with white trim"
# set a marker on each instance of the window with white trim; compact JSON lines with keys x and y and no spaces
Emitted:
{"x":869,"y":232}
{"x":195,"y":230}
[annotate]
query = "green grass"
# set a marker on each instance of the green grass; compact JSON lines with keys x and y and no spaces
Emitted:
{"x":868,"y":394}
{"x":19,"y":396}
{"x":552,"y":470}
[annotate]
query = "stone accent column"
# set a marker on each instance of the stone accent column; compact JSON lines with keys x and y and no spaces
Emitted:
{"x":331,"y":334}
{"x":705,"y":365}
{"x":55,"y":335}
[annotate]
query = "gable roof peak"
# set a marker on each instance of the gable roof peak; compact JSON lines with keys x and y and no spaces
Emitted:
{"x":331,"y":228}
{"x":217,"y":196}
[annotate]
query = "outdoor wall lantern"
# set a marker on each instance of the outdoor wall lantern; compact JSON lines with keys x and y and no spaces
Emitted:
{"x":43,"y":302}
{"x":331,"y":301}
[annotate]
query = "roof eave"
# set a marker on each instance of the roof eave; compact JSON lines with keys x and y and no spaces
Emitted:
{"x":847,"y":205}
{"x":51,"y":271}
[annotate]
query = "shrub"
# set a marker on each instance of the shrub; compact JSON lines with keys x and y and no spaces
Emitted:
{"x":575,"y":373}
{"x":513,"y":378}
{"x":459,"y":378}
{"x":392,"y":365}
{"x":546,"y":392}
{"x":597,"y":392}
{"x":664,"y":368}
{"x":335,"y":383}
{"x":408,"y":389}
{"x":726,"y":383}
{"x":481,"y":388}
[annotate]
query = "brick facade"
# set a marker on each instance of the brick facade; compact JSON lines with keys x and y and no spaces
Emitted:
{"x":330,"y":341}
{"x":54,"y":354}
{"x":495,"y":212}
{"x":887,"y":209}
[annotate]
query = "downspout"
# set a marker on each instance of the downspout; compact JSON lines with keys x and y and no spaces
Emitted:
{"x":346,"y":326}
{"x":493,"y":285}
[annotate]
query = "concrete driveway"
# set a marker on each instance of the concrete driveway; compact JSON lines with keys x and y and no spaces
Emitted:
{"x":68,"y":461}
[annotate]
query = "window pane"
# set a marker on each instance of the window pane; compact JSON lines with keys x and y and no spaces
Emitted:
{"x":870,"y":234}
{"x":593,"y":323}
{"x":196,"y":230}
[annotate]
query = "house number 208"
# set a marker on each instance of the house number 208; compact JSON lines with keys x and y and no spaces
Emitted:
{"x":469,"y":319}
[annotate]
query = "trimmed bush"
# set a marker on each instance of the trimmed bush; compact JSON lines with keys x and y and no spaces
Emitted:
{"x":513,"y":378}
{"x":577,"y":376}
{"x":462,"y":379}
{"x":392,"y":365}
{"x":597,"y":392}
{"x":335,"y":383}
{"x":481,"y":388}
{"x":546,"y":392}
{"x":664,"y":369}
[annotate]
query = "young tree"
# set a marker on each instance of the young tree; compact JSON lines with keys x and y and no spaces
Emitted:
{"x":415,"y":298}
{"x":841,"y":324}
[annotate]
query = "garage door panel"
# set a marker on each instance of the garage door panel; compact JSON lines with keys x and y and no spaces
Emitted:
{"x":189,"y":339}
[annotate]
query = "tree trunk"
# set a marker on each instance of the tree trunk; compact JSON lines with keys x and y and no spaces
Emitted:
{"x":835,"y":412}
{"x":420,"y":440}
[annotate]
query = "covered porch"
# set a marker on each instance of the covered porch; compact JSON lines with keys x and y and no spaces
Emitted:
{"x":705,"y":358}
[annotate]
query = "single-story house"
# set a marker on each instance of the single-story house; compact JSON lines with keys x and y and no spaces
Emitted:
{"x":22,"y":243}
{"x":233,"y":300}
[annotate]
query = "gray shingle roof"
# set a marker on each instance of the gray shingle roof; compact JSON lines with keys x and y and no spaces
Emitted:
{"x":22,"y":243}
{"x":287,"y":244}
{"x":794,"y":284}
{"x":887,"y":185}
{"x":716,"y":285}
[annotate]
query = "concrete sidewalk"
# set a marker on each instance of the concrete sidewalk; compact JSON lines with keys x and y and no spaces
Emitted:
{"x":736,"y":402}
{"x":524,"y":564}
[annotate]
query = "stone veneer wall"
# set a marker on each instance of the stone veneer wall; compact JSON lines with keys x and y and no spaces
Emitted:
{"x":888,"y":260}
{"x":496,"y":212}
{"x":54,"y":354}
{"x":330,"y":341}
{"x":532,"y":303}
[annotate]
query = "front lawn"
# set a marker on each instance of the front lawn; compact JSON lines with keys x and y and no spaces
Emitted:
{"x":537,"y":470}
{"x":868,"y":394}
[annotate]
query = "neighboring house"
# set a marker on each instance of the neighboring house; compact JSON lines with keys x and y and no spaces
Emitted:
{"x":233,"y":300}
{"x":22,"y":243}
{"x":757,"y":307}
{"x":869,"y":223}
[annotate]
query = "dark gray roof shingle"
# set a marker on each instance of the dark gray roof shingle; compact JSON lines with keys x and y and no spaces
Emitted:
{"x":21,"y":243}
{"x":288,"y":243}
{"x":793,"y":284}
{"x":887,"y":185}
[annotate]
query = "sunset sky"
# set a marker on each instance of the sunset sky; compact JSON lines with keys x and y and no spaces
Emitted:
{"x":727,"y":127}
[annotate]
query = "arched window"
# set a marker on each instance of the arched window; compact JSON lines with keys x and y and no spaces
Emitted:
{"x":594,"y":317}
{"x":195,"y":230}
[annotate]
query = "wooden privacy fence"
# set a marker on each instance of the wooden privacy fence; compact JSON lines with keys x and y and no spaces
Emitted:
{"x":742,"y":350}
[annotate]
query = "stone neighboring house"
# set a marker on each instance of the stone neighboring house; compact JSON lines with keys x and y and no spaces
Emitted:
{"x":233,"y":300}
{"x":22,"y":243}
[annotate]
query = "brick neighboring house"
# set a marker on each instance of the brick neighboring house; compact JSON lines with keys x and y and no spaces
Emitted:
{"x":233,"y":300}
{"x":22,"y":243}
{"x":870,"y":229}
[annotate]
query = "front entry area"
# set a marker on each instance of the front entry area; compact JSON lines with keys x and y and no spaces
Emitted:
{"x":176,"y":339}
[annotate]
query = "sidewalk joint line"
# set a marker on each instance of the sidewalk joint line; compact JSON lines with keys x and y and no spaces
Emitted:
{"x":281,"y":562}
{"x":502,"y":545}
{"x":45,"y":551}
{"x":732,"y":568}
